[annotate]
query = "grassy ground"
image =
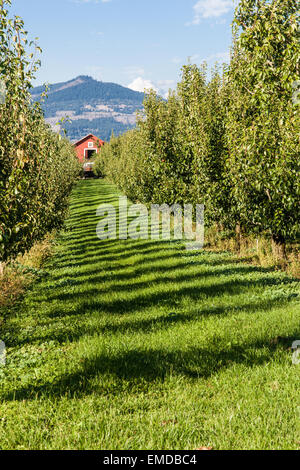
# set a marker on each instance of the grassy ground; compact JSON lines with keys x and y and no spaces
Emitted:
{"x":144,"y":345}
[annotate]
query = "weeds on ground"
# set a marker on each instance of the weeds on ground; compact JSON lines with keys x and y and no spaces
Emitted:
{"x":256,"y":251}
{"x":19,"y":274}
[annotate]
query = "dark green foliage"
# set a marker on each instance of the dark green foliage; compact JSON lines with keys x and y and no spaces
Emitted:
{"x":37,"y":167}
{"x":263,"y":121}
{"x":230,"y":142}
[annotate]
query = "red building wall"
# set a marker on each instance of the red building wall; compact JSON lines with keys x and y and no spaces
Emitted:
{"x":82,"y":146}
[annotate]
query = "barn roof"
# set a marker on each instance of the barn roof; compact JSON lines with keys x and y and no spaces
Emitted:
{"x":88,"y":137}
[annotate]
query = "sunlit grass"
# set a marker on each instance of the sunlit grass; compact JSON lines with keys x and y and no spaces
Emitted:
{"x":144,"y":345}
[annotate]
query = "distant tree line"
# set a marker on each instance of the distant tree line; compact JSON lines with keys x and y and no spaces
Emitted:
{"x":102,"y":128}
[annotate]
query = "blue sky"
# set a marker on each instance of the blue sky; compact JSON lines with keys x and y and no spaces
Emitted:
{"x":131,"y":42}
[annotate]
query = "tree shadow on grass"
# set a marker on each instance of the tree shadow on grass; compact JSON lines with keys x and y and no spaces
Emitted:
{"x":96,"y":256}
{"x":147,"y":264}
{"x":139,"y":369}
{"x":176,"y":275}
{"x":149,"y":299}
{"x":150,"y":325}
{"x":111,"y":373}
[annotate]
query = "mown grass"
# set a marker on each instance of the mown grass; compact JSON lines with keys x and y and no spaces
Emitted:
{"x":141,"y":344}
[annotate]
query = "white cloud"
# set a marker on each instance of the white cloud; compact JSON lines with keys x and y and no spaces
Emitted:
{"x":141,"y":84}
{"x":133,"y":70}
{"x":211,"y":9}
{"x":161,"y":87}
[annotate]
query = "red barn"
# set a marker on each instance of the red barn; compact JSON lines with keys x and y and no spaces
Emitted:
{"x":87,"y":147}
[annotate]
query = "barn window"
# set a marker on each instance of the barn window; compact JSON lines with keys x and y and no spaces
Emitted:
{"x":90,"y":144}
{"x":90,"y":153}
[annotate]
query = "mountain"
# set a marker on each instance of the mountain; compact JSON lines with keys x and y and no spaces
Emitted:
{"x":92,"y":106}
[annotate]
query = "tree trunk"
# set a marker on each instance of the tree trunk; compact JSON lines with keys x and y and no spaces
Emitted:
{"x":1,"y":268}
{"x":238,"y":237}
{"x":279,"y":248}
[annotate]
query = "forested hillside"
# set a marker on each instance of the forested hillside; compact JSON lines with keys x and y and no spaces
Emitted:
{"x":91,"y":106}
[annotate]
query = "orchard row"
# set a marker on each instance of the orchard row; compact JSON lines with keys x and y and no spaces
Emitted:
{"x":37,"y":167}
{"x":227,"y":138}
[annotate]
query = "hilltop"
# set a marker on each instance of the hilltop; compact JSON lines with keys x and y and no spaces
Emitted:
{"x":93,"y":106}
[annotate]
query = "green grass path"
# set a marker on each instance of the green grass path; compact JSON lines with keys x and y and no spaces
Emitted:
{"x":144,"y":345}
